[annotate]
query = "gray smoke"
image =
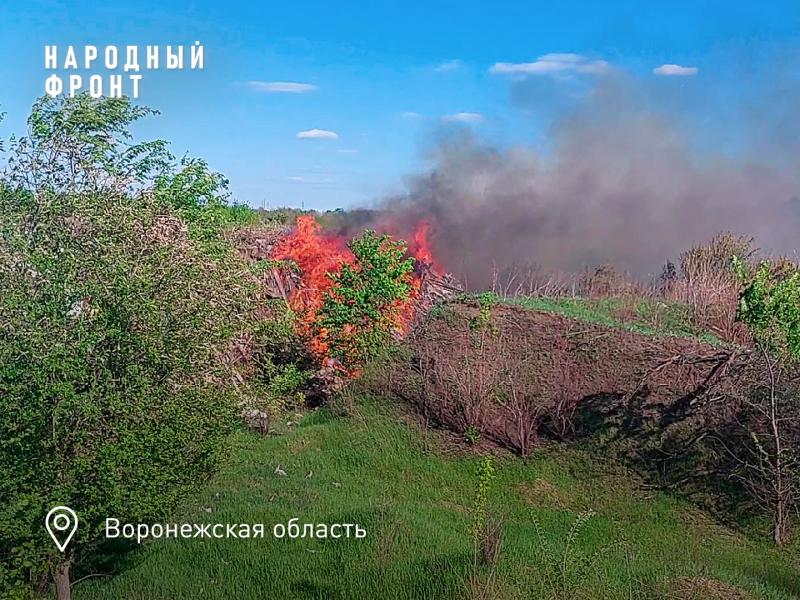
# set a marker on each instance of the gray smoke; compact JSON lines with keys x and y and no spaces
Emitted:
{"x":627,"y":177}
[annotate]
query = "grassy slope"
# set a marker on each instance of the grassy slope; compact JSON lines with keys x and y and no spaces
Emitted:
{"x":649,"y":317}
{"x":415,"y":499}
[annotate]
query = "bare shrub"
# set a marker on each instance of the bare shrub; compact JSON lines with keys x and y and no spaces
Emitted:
{"x":606,"y":281}
{"x":345,"y":403}
{"x":767,"y":448}
{"x":531,"y":280}
{"x":521,"y":374}
{"x":708,"y":285}
{"x":522,"y":398}
{"x":490,"y":540}
{"x":469,"y":383}
{"x":491,"y":382}
{"x":703,"y":281}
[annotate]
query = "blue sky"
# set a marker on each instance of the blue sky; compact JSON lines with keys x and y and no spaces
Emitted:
{"x":384,"y":76}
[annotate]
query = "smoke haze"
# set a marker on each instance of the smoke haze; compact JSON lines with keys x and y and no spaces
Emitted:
{"x":626,"y":177}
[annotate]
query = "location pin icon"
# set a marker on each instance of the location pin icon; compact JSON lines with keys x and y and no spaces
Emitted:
{"x":61,"y":523}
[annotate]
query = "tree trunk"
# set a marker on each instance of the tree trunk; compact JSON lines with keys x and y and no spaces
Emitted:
{"x":781,"y":532}
{"x":62,"y":581}
{"x":779,"y":480}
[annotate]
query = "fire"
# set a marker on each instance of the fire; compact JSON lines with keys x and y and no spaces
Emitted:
{"x":420,"y":248}
{"x":316,"y":255}
{"x":319,"y":255}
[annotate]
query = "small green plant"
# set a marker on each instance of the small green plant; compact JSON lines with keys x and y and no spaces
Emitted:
{"x":482,"y":322}
{"x":436,"y":311}
{"x":562,"y":573}
{"x":486,"y":530}
{"x":487,"y":300}
{"x":472,"y":435}
{"x":444,"y":312}
{"x":485,"y":475}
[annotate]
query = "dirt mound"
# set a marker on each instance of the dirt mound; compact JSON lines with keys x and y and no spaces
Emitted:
{"x":514,"y":375}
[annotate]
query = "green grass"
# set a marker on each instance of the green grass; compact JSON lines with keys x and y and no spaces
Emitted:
{"x":648,"y":317}
{"x":414,"y":494}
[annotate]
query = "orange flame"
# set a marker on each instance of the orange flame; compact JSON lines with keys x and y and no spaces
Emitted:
{"x":420,"y":247}
{"x":318,"y":255}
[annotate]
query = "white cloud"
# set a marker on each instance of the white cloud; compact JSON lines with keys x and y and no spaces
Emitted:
{"x":313,"y":181}
{"x":450,"y":65}
{"x":675,"y":70}
{"x":464,"y":117}
{"x":548,"y":64}
{"x":317,"y":134}
{"x":281,"y":87}
{"x":410,"y":114}
{"x":347,"y":151}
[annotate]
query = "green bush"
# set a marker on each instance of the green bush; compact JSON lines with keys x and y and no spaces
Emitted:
{"x":111,"y":390}
{"x":115,"y":391}
{"x":200,"y":197}
{"x":282,"y":365}
{"x":770,"y":305}
{"x":365,"y":303}
{"x":84,"y":144}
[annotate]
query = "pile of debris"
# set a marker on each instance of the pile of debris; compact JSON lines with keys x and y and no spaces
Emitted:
{"x":256,"y":244}
{"x":282,"y":280}
{"x":435,"y":288}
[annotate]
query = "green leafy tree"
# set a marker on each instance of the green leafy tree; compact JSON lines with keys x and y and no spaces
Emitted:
{"x":366,"y":302}
{"x":201,"y":198}
{"x":84,"y":144}
{"x":115,"y":398}
{"x":770,"y":305}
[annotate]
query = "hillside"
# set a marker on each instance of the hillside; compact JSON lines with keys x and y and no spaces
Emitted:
{"x":639,"y":315}
{"x":518,"y":376}
{"x":414,"y":489}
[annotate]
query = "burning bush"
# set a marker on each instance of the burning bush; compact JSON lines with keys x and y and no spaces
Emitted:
{"x":368,"y":299}
{"x":352,"y":296}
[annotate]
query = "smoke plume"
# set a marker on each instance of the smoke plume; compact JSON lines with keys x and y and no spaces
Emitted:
{"x":631,"y":174}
